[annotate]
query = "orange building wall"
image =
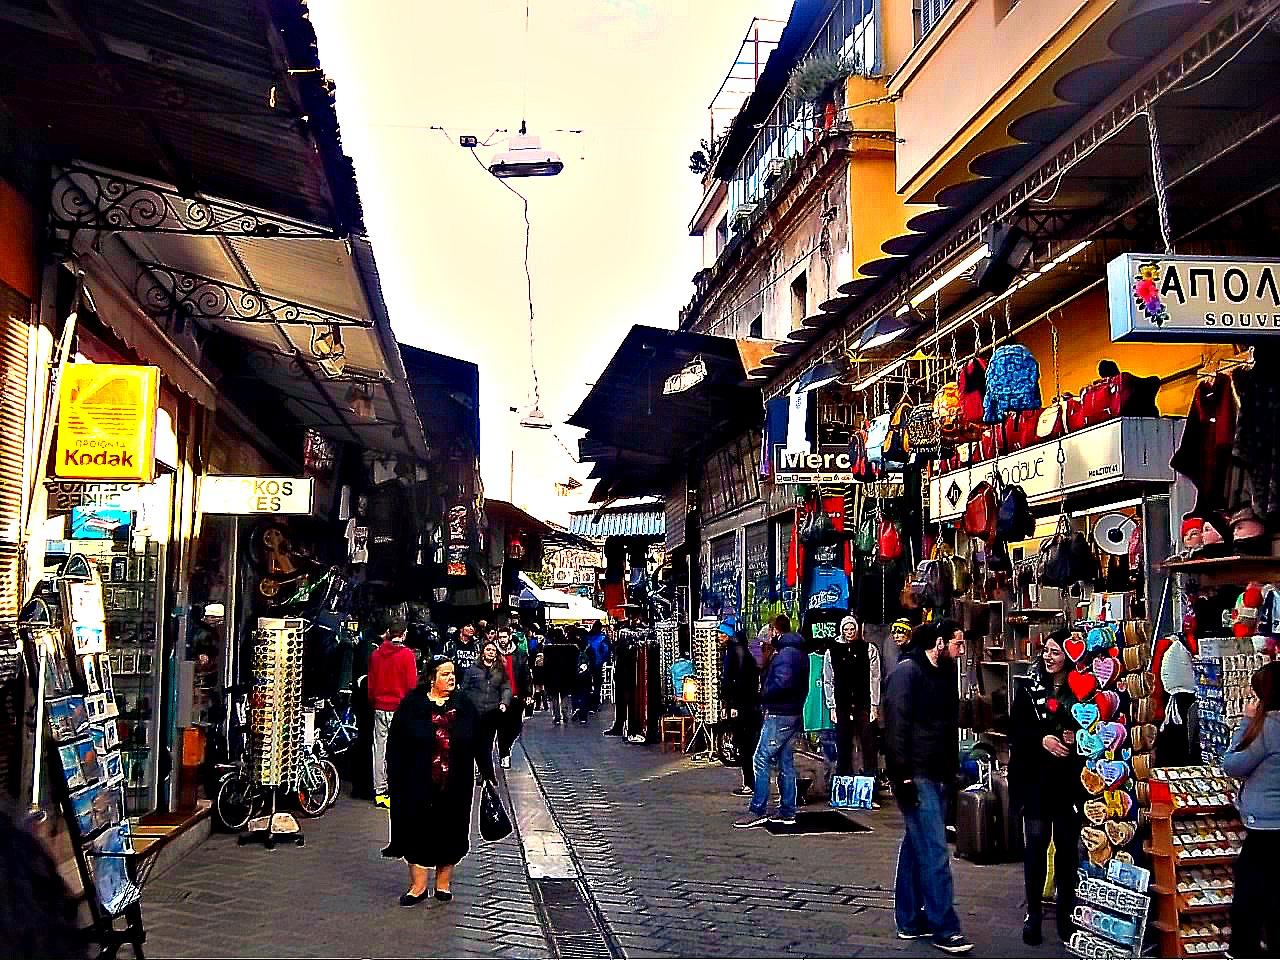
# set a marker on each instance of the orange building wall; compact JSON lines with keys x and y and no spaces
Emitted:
{"x":1084,"y":338}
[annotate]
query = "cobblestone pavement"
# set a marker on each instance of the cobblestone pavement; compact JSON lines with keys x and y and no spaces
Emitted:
{"x":336,"y":897}
{"x":651,"y":833}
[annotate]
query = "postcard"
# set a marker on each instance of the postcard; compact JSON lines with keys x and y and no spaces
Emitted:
{"x":89,"y":638}
{"x":71,"y":766}
{"x":68,"y":718}
{"x":105,"y":677}
{"x":89,"y":670}
{"x":116,"y":892}
{"x":113,"y":767}
{"x":117,"y":840}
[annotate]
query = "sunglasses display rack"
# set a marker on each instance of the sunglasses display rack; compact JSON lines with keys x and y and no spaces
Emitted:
{"x":706,"y":663}
{"x":668,"y":635}
{"x":1111,"y":912}
{"x":276,"y":722}
{"x":78,"y":750}
{"x":1195,"y":838}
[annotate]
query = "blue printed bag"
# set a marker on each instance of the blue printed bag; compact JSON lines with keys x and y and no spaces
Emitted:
{"x":1013,"y":383}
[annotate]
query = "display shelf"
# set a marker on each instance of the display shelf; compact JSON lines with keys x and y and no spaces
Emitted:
{"x":1238,"y":566}
{"x":1171,"y":903}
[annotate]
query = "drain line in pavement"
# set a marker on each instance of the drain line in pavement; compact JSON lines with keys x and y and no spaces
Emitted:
{"x":570,"y":917}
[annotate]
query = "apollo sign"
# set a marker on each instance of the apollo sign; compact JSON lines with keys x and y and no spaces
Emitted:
{"x":1163,"y":297}
{"x":830,"y":464}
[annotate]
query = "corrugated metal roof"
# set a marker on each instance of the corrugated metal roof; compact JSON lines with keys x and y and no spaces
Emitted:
{"x":648,"y":522}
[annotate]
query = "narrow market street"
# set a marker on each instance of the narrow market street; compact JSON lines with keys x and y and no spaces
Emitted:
{"x":649,"y":837}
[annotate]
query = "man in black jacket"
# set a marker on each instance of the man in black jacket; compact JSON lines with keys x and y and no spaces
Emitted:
{"x":786,"y":685}
{"x":740,"y":690}
{"x":922,"y":733}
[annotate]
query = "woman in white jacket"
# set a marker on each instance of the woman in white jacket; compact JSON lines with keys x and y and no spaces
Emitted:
{"x":851,"y":684}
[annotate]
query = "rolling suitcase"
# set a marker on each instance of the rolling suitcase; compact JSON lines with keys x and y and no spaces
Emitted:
{"x":978,"y":821}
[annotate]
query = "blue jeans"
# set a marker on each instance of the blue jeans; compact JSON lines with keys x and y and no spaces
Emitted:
{"x":777,"y":745}
{"x":924,"y":898}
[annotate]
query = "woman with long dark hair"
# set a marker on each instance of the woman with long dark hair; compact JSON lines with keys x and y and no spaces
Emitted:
{"x":432,"y":749}
{"x":1254,"y":757}
{"x":1044,"y":782}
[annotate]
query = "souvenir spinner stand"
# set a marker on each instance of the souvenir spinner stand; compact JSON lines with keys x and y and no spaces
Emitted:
{"x":65,"y":643}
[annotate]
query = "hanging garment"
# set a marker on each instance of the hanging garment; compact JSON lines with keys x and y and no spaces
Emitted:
{"x":776,"y":416}
{"x":1204,"y":454}
{"x":816,"y":714}
{"x":1257,"y":441}
{"x":801,"y":414}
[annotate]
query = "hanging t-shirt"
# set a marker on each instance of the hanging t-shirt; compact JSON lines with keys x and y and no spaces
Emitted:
{"x":816,"y":714}
{"x":827,"y":589}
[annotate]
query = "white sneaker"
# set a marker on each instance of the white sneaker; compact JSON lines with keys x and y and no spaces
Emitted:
{"x":506,"y":763}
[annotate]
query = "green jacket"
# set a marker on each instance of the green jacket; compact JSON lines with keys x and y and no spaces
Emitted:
{"x":816,"y":714}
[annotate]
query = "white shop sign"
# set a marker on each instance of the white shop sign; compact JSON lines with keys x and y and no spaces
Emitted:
{"x":1131,"y":449}
{"x":254,"y":495}
{"x":1158,"y":297}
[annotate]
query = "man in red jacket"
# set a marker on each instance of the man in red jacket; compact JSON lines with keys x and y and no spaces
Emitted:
{"x":393,"y":672}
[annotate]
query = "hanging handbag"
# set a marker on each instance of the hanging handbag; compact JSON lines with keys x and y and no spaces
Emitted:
{"x":494,"y":823}
{"x":1020,"y":429}
{"x":888,"y":542}
{"x":1084,"y":562}
{"x":860,"y":467}
{"x":946,"y":410}
{"x":865,"y":542}
{"x":980,"y":511}
{"x":1054,"y":563}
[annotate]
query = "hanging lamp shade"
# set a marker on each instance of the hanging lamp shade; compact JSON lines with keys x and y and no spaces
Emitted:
{"x":525,"y":157}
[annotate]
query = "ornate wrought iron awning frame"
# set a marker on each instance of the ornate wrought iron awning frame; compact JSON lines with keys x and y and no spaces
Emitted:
{"x":167,"y":292}
{"x":84,"y":197}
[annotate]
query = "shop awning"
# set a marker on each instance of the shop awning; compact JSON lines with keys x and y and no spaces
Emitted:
{"x":198,"y":165}
{"x":580,"y":608}
{"x":530,"y":592}
{"x":621,"y":522}
{"x":663,"y":393}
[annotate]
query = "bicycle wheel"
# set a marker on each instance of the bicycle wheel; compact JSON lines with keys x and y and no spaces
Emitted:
{"x":334,"y":780}
{"x":234,"y":802}
{"x":313,"y":788}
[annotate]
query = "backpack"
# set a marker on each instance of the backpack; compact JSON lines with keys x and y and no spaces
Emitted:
{"x":972,"y":385}
{"x":860,"y":466}
{"x":980,"y":510}
{"x":897,"y":446}
{"x":1013,"y":382}
{"x":877,"y":434}
{"x":924,"y":434}
{"x":1014,"y":520}
{"x":946,"y":410}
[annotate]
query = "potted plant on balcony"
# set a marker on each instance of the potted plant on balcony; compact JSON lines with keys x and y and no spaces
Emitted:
{"x":820,"y":80}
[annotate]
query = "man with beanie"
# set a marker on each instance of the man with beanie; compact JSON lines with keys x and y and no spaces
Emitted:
{"x":851,"y":685}
{"x":900,"y":634}
{"x":786,"y":685}
{"x":393,"y":672}
{"x":922,"y":735}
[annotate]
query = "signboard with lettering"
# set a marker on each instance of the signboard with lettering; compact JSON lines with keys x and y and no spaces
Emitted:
{"x":65,"y":495}
{"x":107,"y":422}
{"x":829,"y":464}
{"x":1126,"y":450}
{"x":1163,"y":297}
{"x":250,"y":495}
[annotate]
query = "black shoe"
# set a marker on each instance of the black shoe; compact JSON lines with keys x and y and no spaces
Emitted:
{"x":444,"y":896}
{"x":1031,"y":934}
{"x":613,"y":733}
{"x":409,"y":899}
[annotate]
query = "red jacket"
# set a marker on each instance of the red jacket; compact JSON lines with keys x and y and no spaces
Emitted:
{"x":393,"y":672}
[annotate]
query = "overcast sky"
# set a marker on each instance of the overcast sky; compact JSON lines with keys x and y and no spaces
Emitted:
{"x":609,"y":234}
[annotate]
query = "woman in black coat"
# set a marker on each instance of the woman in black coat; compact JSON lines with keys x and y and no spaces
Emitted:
{"x":1044,"y":782}
{"x":432,"y":750}
{"x":740,"y":691}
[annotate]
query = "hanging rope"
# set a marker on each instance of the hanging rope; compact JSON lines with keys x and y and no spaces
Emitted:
{"x":1157,"y":177}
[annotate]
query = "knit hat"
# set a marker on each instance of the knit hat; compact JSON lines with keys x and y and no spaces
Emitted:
{"x":848,"y":621}
{"x":1177,"y":672}
{"x":901,"y":625}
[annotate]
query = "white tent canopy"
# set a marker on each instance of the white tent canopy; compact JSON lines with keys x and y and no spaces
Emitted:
{"x":532,"y":593}
{"x":579,"y":608}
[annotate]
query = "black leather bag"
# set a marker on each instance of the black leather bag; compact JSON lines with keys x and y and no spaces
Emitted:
{"x":1055,"y":566}
{"x":494,"y":822}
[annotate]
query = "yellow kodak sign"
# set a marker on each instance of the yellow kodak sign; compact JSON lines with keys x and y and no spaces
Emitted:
{"x":107,"y":422}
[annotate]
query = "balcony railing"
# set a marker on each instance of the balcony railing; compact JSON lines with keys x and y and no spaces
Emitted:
{"x":852,"y":31}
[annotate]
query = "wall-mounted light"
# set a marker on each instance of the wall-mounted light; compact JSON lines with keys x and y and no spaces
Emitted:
{"x":360,"y":400}
{"x":525,"y":157}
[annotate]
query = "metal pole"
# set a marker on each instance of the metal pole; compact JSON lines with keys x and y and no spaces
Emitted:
{"x":756,"y":55}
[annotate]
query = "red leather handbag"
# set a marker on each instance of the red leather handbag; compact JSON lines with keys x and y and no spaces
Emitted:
{"x":981,"y":512}
{"x":972,"y":384}
{"x":1120,"y":395}
{"x":1020,"y":429}
{"x":889,"y":542}
{"x":989,"y":445}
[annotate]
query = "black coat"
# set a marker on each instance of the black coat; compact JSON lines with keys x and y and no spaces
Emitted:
{"x":560,"y":662}
{"x":740,"y":686}
{"x":921,"y":709}
{"x":1041,"y":784}
{"x":430,"y":822}
{"x":487,"y":687}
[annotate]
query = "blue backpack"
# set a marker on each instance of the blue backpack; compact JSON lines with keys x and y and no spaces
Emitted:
{"x":1013,"y":383}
